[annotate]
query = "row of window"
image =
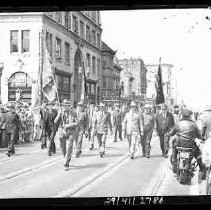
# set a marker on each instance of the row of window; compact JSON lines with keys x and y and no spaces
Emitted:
{"x":58,"y":51}
{"x":24,"y":41}
{"x":78,"y":27}
{"x":94,"y":62}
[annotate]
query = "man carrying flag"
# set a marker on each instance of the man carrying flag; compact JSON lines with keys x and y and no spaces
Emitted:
{"x":164,"y":119}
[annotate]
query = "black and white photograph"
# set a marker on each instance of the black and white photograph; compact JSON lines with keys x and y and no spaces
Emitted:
{"x":107,"y":104}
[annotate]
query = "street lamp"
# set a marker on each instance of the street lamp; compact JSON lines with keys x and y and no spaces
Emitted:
{"x":1,"y":69}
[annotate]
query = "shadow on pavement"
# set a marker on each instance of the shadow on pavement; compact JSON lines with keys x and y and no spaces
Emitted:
{"x":98,"y":165}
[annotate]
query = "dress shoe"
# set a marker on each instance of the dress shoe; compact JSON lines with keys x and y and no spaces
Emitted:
{"x":66,"y":167}
{"x":49,"y":154}
{"x":8,"y":153}
{"x":91,"y":147}
{"x":132,"y":156}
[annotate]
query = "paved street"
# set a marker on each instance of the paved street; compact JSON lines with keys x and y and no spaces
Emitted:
{"x":31,"y":173}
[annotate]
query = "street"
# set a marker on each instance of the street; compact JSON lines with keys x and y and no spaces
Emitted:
{"x":31,"y":173}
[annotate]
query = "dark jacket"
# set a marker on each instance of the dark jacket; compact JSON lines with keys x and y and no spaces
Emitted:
{"x":164,"y":125}
{"x":186,"y":130}
{"x":149,"y":122}
{"x":52,"y":116}
{"x":118,"y":117}
{"x":11,"y":121}
{"x":44,"y":115}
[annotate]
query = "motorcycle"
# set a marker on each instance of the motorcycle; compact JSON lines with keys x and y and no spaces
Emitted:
{"x":185,"y":165}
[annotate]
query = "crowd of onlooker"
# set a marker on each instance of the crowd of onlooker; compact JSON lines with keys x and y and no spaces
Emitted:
{"x":25,"y":124}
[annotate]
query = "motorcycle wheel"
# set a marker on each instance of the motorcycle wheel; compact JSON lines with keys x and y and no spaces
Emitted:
{"x":184,"y":178}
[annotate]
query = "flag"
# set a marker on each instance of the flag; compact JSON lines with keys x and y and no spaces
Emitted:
{"x":48,"y":81}
{"x":159,"y":99}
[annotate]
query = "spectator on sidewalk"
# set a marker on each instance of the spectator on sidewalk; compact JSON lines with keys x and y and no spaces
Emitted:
{"x":10,"y":119}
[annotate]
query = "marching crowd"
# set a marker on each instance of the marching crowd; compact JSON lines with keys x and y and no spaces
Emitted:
{"x":134,"y":123}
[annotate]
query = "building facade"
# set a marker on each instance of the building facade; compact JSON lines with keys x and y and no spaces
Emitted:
{"x":110,"y":75}
{"x":134,"y":78}
{"x":73,"y":40}
{"x":167,"y":81}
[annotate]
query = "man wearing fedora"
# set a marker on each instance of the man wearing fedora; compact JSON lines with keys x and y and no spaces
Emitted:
{"x":53,"y":125}
{"x":67,"y":132}
{"x":44,"y":124}
{"x":164,"y":124}
{"x":133,"y":128}
{"x":11,"y":125}
{"x":102,"y":122}
{"x":92,"y":132}
{"x":117,"y":122}
{"x":82,"y":127}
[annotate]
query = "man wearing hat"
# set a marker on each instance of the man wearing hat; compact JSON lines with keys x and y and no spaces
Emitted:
{"x":187,"y":131}
{"x":92,"y":132}
{"x":44,"y":124}
{"x":82,"y":127}
{"x":11,"y":125}
{"x":164,"y":123}
{"x":117,"y":122}
{"x":53,"y":125}
{"x":102,"y":122}
{"x":133,"y":128}
{"x":149,"y":122}
{"x":68,"y":131}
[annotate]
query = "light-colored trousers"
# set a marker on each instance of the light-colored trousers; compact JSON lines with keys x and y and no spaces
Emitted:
{"x":132,"y":141}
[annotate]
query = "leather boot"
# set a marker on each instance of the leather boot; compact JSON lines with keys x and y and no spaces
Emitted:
{"x":147,"y":152}
{"x":143,"y":152}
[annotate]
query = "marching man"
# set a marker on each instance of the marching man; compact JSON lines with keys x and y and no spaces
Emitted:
{"x":132,"y":128}
{"x":102,"y":121}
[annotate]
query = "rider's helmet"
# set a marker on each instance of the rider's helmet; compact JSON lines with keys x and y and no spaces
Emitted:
{"x":186,"y":112}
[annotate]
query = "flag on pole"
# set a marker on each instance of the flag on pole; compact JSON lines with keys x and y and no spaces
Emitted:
{"x":48,"y":81}
{"x":159,"y":99}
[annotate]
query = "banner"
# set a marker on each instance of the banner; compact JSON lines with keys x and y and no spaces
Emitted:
{"x":159,"y":99}
{"x":48,"y":81}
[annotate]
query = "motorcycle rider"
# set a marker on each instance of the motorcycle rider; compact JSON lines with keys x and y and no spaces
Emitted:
{"x":186,"y":131}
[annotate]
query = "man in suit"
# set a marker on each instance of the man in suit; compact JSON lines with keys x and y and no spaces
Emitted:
{"x":164,"y":124}
{"x":117,"y":122}
{"x":82,"y":127}
{"x":44,"y":124}
{"x":11,"y":121}
{"x":53,"y":127}
{"x":68,"y":131}
{"x":102,"y":122}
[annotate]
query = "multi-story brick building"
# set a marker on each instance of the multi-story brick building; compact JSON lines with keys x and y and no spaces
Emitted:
{"x":110,"y":75}
{"x":134,"y":78}
{"x":167,"y":81}
{"x":73,"y":38}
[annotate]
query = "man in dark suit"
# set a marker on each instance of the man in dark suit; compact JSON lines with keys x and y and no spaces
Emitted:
{"x":53,"y":126}
{"x":44,"y":124}
{"x":11,"y":121}
{"x":118,"y":117}
{"x":164,"y":124}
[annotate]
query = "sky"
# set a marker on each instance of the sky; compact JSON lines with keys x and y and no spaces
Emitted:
{"x":181,"y":37}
